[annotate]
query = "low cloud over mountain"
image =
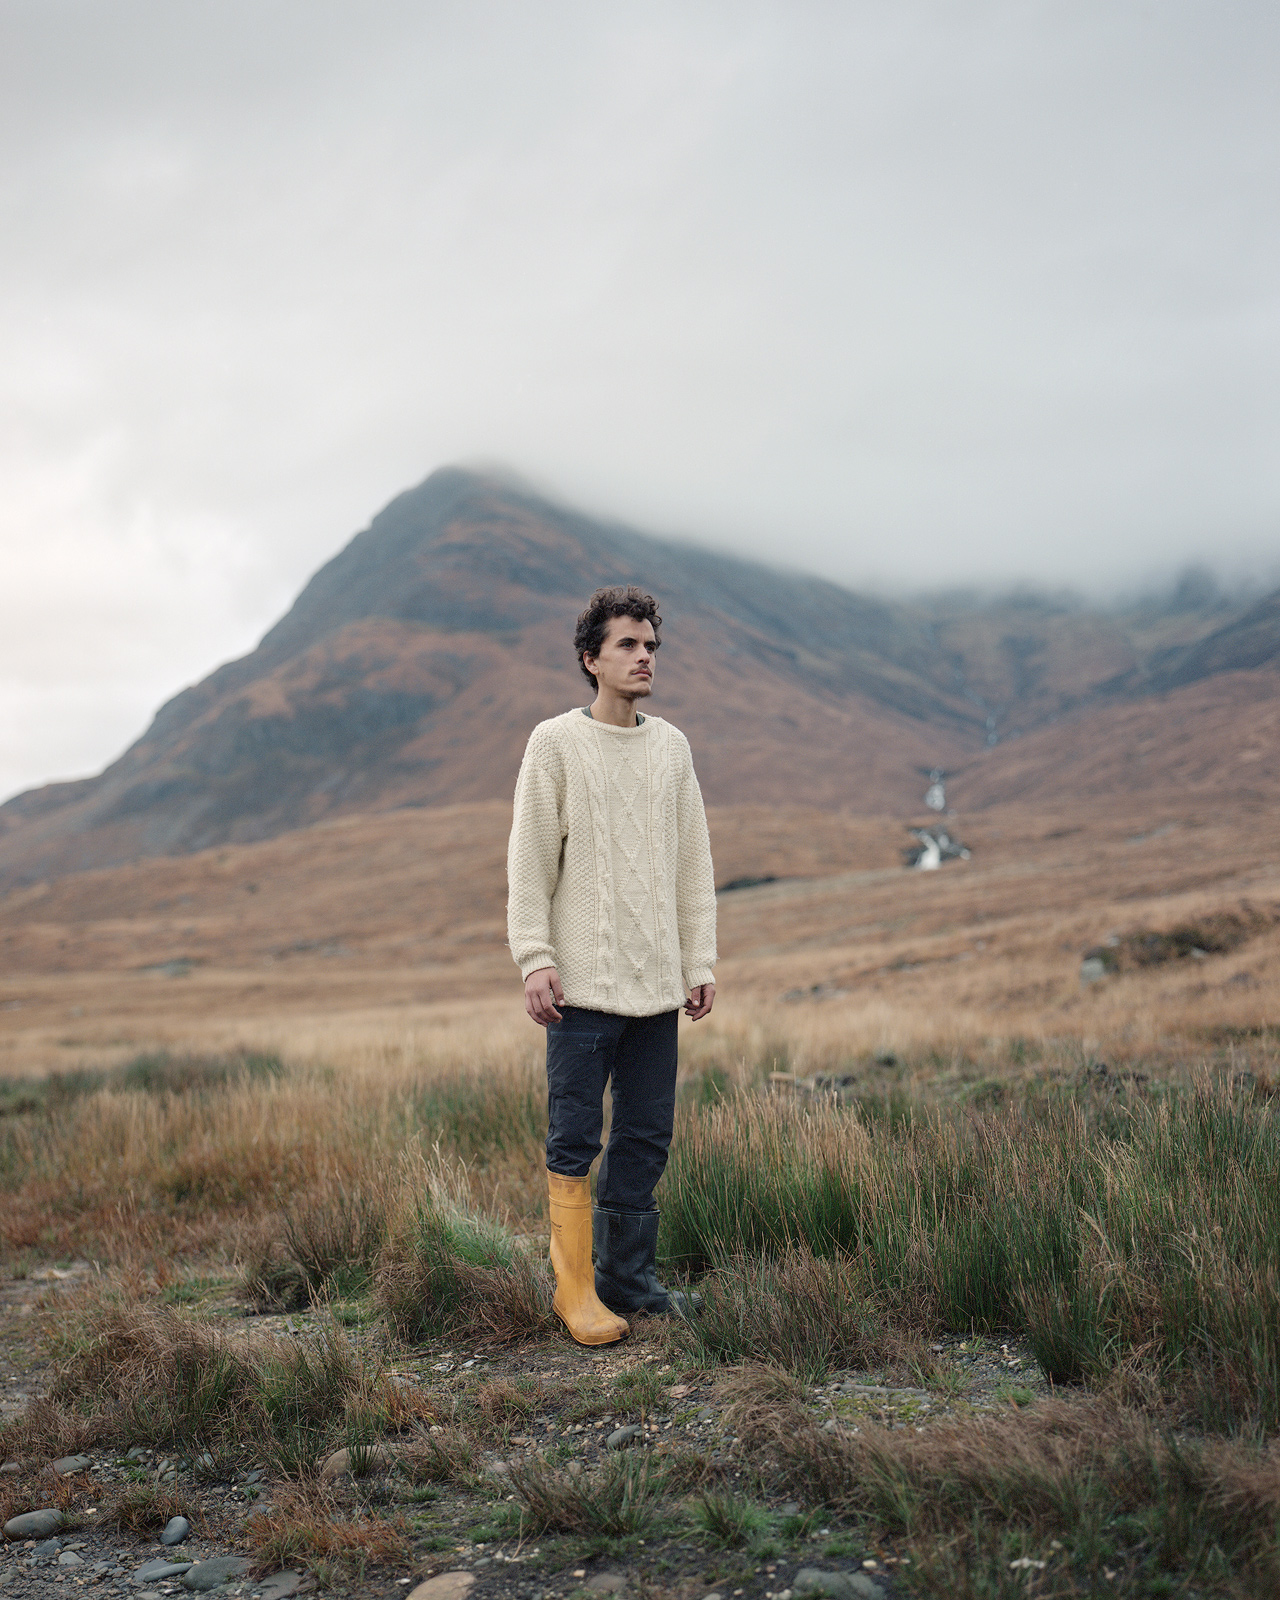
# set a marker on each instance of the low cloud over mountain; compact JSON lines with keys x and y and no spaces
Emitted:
{"x":412,"y":666}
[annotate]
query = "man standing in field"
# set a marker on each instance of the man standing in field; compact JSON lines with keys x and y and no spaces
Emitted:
{"x":611,"y":918}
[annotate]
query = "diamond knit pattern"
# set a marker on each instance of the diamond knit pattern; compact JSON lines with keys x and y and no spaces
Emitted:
{"x":609,"y":865}
{"x":626,"y":763}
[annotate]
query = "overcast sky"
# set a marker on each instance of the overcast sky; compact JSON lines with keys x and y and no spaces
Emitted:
{"x":902,"y":292}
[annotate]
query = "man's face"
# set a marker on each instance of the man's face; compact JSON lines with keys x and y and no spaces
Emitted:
{"x":627,"y":658}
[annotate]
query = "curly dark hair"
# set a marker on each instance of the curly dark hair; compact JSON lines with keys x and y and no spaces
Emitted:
{"x":604,"y":605}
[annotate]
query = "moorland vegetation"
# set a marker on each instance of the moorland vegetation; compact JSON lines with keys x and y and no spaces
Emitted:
{"x":1120,"y":1229}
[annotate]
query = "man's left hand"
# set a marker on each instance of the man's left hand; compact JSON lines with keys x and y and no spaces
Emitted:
{"x":700,"y":1001}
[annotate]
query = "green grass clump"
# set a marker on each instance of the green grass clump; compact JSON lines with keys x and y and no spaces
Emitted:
{"x":638,"y":1389}
{"x":1145,"y":1230}
{"x":336,"y":1237}
{"x":447,"y":1273}
{"x":728,"y":1520}
{"x":159,"y":1072}
{"x":622,"y":1497}
{"x":801,"y":1311}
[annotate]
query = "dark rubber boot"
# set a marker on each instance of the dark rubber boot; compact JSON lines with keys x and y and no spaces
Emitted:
{"x":626,"y":1265}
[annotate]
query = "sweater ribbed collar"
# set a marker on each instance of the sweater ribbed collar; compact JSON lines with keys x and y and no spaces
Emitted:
{"x":622,"y":733}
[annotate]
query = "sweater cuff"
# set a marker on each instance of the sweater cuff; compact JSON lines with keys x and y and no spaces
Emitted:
{"x":695,"y":977}
{"x":538,"y":960}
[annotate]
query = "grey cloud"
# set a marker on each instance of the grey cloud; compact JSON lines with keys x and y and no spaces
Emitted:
{"x":894,"y":292}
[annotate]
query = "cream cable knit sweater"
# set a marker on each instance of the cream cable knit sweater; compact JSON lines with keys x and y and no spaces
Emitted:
{"x":609,"y":866}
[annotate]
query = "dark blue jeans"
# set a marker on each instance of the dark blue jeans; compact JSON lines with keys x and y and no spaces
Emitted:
{"x":584,"y":1050}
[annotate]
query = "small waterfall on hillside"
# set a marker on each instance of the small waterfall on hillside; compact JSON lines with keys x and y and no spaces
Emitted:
{"x":934,"y":845}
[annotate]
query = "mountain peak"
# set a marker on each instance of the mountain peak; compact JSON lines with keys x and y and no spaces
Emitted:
{"x":412,"y":666}
{"x":426,"y":557}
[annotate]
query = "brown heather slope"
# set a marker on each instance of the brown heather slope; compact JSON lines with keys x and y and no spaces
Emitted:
{"x":410,"y":669}
{"x":1217,"y":737}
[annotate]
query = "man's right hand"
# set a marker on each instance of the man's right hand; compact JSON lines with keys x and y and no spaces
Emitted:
{"x":542,"y":994}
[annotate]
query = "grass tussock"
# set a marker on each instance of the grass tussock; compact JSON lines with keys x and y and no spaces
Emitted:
{"x":130,"y":1374}
{"x":35,"y":1489}
{"x":507,"y":1400}
{"x":1096,"y":1490}
{"x":446,"y":1272}
{"x":759,"y":1399}
{"x":309,"y":1529}
{"x":622,"y":1497}
{"x":142,"y":1508}
{"x":1211,"y":933}
{"x":413,"y":1240}
{"x":806,"y":1313}
{"x":46,"y":1430}
{"x":439,"y":1453}
{"x":1141,"y":1231}
{"x":728,"y":1520}
{"x":338,"y":1235}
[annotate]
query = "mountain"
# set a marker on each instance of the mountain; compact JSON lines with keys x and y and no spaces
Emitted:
{"x":1218,"y":736}
{"x":1246,"y":642}
{"x":412,"y":666}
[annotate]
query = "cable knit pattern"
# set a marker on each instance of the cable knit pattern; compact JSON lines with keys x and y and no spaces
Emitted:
{"x":609,"y":866}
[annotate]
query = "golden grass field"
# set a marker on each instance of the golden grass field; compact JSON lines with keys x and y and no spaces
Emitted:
{"x":376,"y":944}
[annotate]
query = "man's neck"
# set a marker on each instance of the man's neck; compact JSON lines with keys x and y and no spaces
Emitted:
{"x":619,"y":711}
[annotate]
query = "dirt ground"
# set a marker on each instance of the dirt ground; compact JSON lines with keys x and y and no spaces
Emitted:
{"x":451,"y":1528}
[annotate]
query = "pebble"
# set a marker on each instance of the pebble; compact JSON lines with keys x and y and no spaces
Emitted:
{"x":622,"y":1436}
{"x":607,"y":1582}
{"x":66,"y":1465}
{"x":47,"y":1547}
{"x":837,"y":1585}
{"x":876,"y":1391}
{"x":209,"y":1574}
{"x":137,"y":1452}
{"x":444,"y":1586}
{"x":338,"y":1465}
{"x":11,"y":1468}
{"x":33,"y":1524}
{"x":69,"y":1558}
{"x":714,"y":1595}
{"x":280,"y":1585}
{"x":175,"y":1530}
{"x":160,"y":1568}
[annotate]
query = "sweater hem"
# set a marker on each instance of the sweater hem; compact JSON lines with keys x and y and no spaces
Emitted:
{"x":611,"y":1007}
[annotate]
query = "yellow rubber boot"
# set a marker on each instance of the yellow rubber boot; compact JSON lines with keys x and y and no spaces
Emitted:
{"x":576,"y":1302}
